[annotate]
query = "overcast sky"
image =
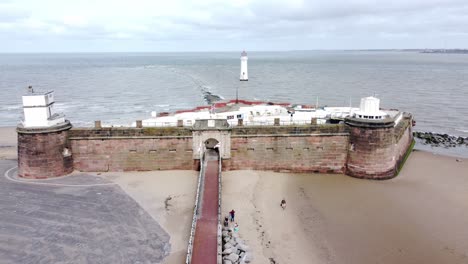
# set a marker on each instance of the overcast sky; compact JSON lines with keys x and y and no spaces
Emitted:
{"x":222,"y":25}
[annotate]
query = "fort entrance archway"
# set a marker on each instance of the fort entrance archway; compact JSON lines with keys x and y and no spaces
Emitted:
{"x":211,"y":143}
{"x":208,"y":133}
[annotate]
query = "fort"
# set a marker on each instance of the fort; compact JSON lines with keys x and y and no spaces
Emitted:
{"x":362,"y":148}
{"x":365,"y":143}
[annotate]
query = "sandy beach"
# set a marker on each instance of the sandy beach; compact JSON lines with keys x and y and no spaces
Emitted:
{"x":169,"y":197}
{"x":418,"y":217}
{"x":8,"y":143}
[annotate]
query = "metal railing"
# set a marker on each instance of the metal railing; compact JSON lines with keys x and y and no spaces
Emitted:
{"x":272,"y":123}
{"x":220,"y":241}
{"x":188,"y":259}
{"x":235,"y":124}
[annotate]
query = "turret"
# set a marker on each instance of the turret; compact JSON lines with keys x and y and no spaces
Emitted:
{"x":244,"y":76}
{"x":43,"y":149}
{"x":378,"y":141}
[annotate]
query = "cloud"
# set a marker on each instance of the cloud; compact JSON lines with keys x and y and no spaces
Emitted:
{"x":133,"y":25}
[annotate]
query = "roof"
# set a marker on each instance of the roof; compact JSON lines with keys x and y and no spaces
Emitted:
{"x":244,"y":54}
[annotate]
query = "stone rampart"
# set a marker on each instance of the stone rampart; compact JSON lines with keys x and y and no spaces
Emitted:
{"x":289,"y":148}
{"x":371,"y":149}
{"x":44,"y":152}
{"x":376,"y":147}
{"x":132,"y":149}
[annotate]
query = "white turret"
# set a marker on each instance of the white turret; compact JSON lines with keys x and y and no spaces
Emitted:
{"x":39,"y":110}
{"x":244,"y":76}
{"x":370,"y":109}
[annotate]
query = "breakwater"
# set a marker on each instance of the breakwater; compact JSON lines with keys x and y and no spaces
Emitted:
{"x":440,"y":140}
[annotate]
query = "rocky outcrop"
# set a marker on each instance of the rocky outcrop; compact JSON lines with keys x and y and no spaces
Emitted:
{"x":235,"y":251}
{"x":440,"y":140}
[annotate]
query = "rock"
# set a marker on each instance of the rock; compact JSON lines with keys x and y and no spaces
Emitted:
{"x":227,"y":251}
{"x":242,"y":247}
{"x":227,"y":261}
{"x":224,"y":233}
{"x":227,"y":245}
{"x":233,"y":257}
{"x":247,"y":258}
{"x":226,"y":239}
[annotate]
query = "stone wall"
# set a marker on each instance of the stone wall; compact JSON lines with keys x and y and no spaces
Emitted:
{"x":364,"y":149}
{"x":289,"y":148}
{"x":403,"y":138}
{"x":132,"y":149}
{"x":376,"y":147}
{"x":42,"y":152}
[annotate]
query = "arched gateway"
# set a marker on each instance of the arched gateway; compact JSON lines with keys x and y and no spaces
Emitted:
{"x":211,"y":133}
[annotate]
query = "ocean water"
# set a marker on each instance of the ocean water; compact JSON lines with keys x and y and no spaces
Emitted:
{"x":119,"y":88}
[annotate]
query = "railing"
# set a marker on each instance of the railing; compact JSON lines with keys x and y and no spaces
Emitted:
{"x":161,"y":124}
{"x":188,"y":259}
{"x":272,"y":123}
{"x":220,"y":241}
{"x":234,"y":124}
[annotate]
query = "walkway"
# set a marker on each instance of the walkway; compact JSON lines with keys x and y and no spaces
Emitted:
{"x":205,"y":244}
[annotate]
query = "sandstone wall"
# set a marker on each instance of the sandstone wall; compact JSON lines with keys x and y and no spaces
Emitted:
{"x":403,"y":138}
{"x":132,"y":149}
{"x":296,"y":149}
{"x":376,"y":149}
{"x":41,"y":152}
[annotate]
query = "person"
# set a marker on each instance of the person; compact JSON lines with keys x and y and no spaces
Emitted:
{"x":226,"y":221}
{"x":283,"y":204}
{"x":236,"y":228}
{"x":232,"y":214}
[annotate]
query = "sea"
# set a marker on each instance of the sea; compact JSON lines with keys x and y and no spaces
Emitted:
{"x":119,"y":88}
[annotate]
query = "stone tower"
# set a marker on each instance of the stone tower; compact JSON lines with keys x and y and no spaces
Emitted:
{"x":43,"y":149}
{"x":244,"y":76}
{"x":377,"y":142}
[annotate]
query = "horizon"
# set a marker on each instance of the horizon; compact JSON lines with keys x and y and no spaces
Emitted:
{"x":232,"y":51}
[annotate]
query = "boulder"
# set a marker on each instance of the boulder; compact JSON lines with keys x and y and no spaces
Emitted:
{"x":233,"y":257}
{"x":243,"y":247}
{"x":227,"y":251}
{"x":227,"y":261}
{"x":227,"y":245}
{"x":247,"y":258}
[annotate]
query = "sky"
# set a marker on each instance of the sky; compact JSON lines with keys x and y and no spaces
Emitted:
{"x":224,"y":25}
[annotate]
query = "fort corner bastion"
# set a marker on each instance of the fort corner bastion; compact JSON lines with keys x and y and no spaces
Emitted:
{"x":370,"y":149}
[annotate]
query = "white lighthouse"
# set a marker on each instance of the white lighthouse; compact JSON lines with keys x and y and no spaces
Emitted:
{"x":244,"y":76}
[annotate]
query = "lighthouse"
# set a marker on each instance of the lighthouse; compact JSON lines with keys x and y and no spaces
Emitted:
{"x":244,"y":76}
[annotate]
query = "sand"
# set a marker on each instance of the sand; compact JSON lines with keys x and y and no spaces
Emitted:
{"x":169,"y":197}
{"x":8,"y":143}
{"x":419,"y":217}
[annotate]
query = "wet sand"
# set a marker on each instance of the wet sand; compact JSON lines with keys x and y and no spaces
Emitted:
{"x":169,"y":197}
{"x":8,"y":143}
{"x":418,"y":217}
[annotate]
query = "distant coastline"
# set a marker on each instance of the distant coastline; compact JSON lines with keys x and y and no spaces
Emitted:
{"x":448,"y":51}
